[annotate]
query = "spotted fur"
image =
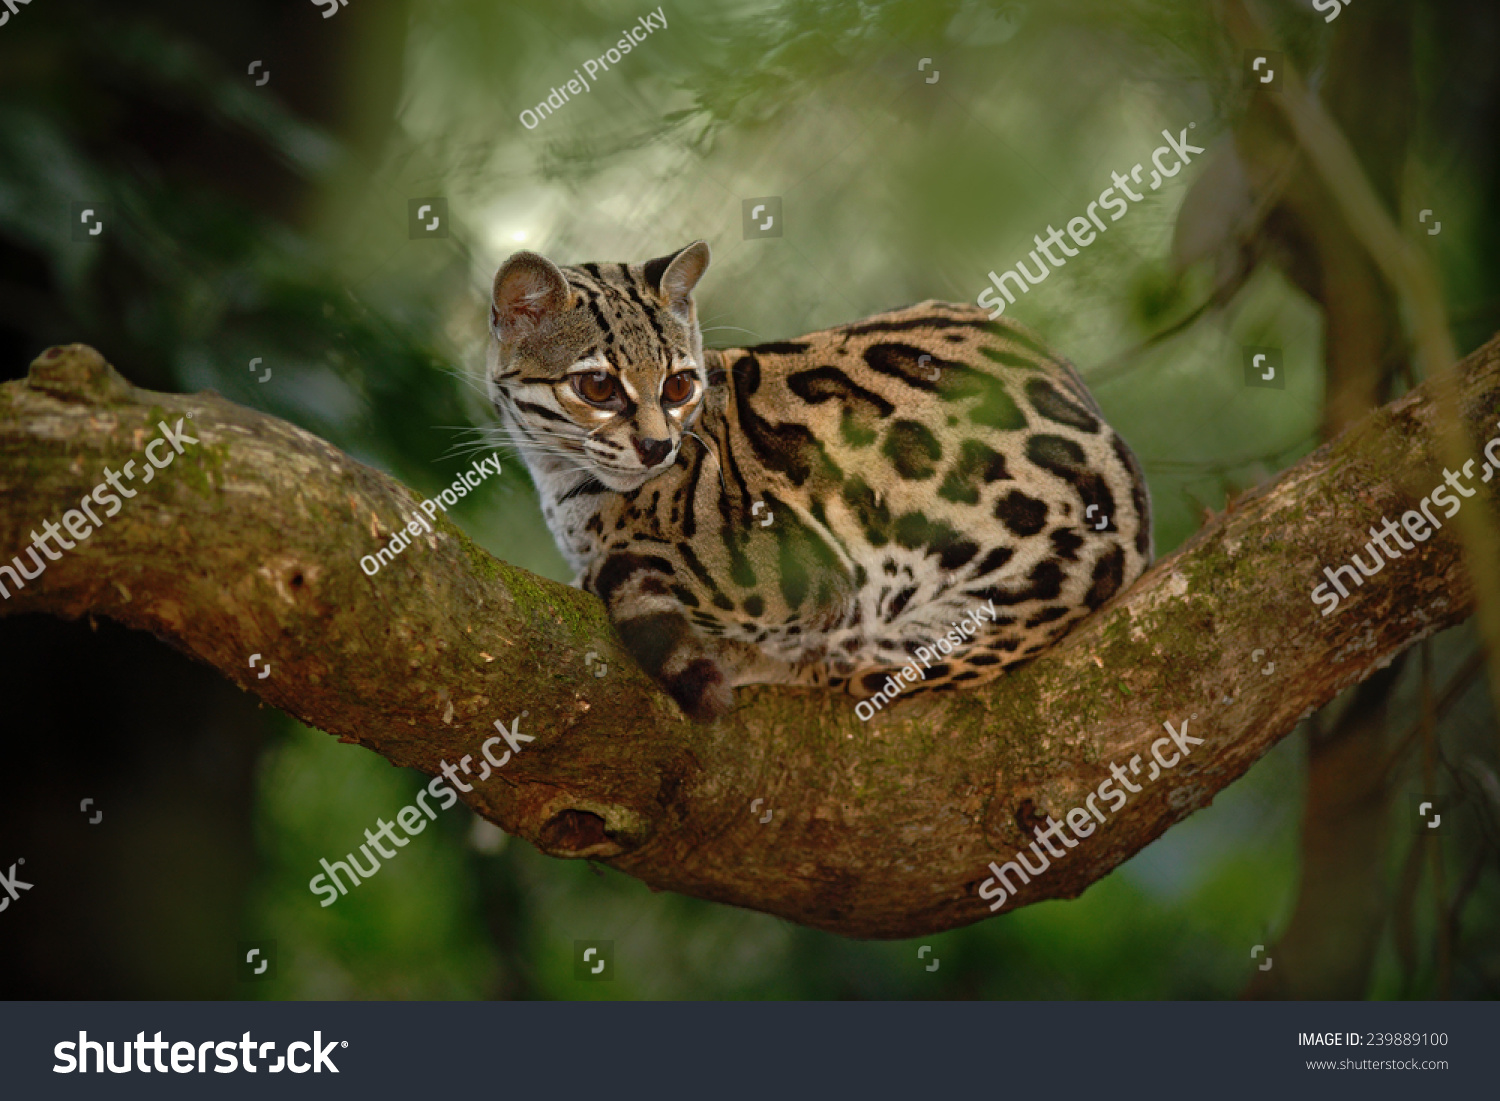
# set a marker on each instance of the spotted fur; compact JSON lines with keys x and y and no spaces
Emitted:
{"x":818,"y":508}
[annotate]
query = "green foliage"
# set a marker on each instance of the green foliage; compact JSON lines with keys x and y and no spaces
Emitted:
{"x":411,"y":930}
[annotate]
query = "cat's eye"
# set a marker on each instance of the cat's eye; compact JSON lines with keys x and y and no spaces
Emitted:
{"x":678,"y":388}
{"x":595,"y":387}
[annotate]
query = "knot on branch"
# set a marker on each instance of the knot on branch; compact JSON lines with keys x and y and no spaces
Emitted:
{"x":599,"y":832}
{"x":77,"y":373}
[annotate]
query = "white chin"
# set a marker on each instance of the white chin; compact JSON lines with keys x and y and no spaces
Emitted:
{"x":621,"y":482}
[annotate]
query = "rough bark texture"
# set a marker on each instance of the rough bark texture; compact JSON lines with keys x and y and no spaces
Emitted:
{"x":250,"y":542}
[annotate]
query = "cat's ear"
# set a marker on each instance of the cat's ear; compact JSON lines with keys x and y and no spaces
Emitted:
{"x":529,"y":292}
{"x":674,"y":277}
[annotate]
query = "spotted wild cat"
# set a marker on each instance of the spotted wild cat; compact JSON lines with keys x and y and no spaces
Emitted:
{"x":813,"y":510}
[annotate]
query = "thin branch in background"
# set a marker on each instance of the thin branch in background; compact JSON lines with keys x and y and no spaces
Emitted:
{"x":1410,"y":275}
{"x":1268,"y":197}
{"x":1128,"y":360}
{"x":1403,"y":916}
{"x":1433,"y":840}
{"x":1454,"y":917}
{"x":1480,"y":783}
{"x":1403,"y":901}
{"x":1481,"y":788}
{"x":1459,"y":684}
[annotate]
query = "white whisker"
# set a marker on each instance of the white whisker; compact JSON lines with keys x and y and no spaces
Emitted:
{"x":717,"y":464}
{"x":728,"y":328}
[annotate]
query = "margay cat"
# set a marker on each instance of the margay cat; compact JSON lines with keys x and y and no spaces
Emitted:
{"x":809,"y":511}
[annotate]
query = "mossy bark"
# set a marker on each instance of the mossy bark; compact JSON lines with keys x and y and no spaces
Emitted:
{"x":250,"y":543}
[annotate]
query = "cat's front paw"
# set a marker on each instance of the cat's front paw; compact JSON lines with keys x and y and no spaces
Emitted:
{"x":701,"y":690}
{"x":667,"y":648}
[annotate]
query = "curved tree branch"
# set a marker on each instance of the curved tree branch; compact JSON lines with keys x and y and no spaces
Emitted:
{"x":250,"y":542}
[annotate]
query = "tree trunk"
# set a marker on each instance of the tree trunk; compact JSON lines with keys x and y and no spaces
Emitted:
{"x":250,"y":541}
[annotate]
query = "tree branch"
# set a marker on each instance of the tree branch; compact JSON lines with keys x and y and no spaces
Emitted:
{"x":250,"y":542}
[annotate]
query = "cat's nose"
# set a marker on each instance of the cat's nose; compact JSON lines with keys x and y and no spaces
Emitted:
{"x":651,"y":451}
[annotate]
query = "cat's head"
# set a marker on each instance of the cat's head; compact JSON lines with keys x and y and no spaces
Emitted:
{"x":600,"y":365}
